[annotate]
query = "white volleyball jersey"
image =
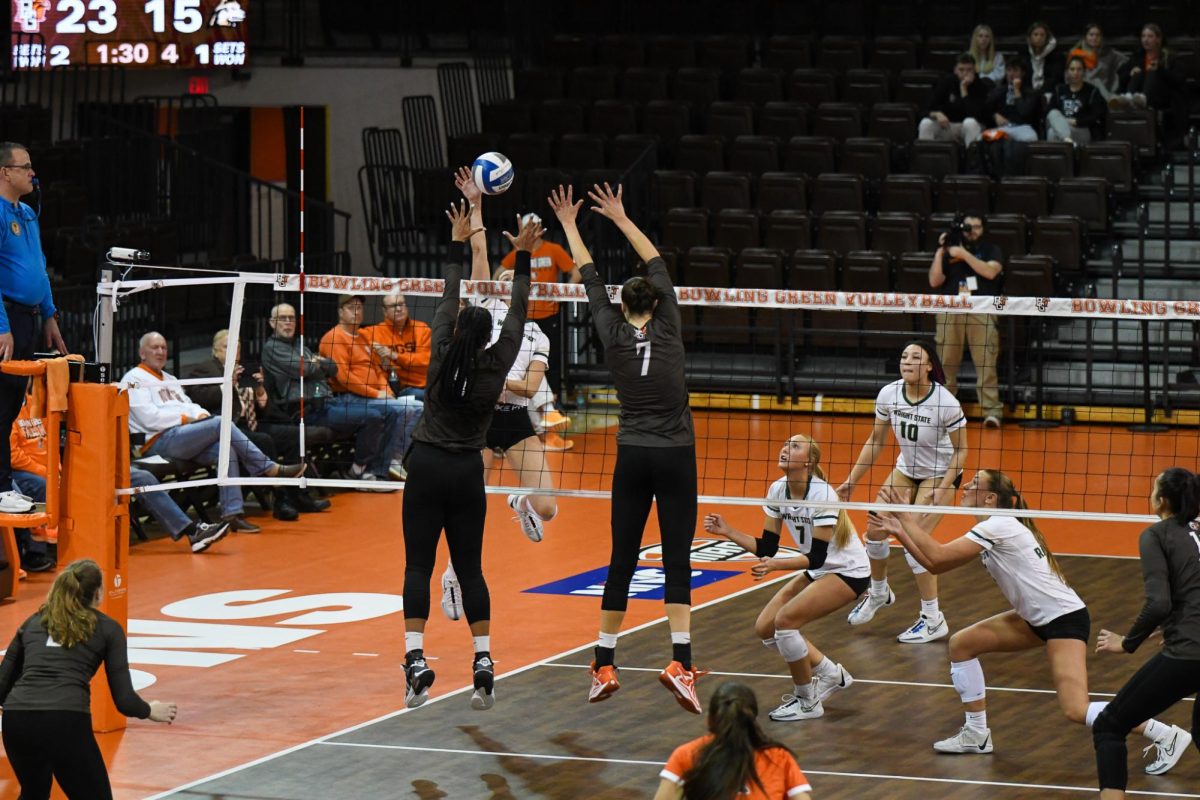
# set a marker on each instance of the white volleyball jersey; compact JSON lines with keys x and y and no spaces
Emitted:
{"x":535,"y":346}
{"x":1012,"y":556}
{"x":800,"y":520}
{"x":922,"y":428}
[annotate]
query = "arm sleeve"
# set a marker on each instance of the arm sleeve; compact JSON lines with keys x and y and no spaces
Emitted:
{"x":1156,"y":575}
{"x":607,"y":318}
{"x":116,"y":667}
{"x":668,"y":303}
{"x":817,"y":553}
{"x":11,"y":667}
{"x":509,"y":259}
{"x":509,"y":341}
{"x":447,"y":309}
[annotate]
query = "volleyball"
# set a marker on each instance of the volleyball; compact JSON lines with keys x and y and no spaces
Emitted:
{"x":493,"y":173}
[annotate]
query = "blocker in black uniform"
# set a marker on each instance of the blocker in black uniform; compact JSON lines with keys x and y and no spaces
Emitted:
{"x":656,"y":442}
{"x":445,"y":488}
{"x":1170,"y":552}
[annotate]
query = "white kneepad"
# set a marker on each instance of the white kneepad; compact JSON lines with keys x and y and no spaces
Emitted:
{"x":791,"y":645}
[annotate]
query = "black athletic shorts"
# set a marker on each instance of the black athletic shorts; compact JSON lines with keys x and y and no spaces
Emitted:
{"x":1075,"y":625}
{"x":857,"y":585}
{"x":510,"y":425}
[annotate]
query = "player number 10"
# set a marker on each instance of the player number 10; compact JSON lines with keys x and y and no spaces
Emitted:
{"x":187,"y":16}
{"x":908,"y":430}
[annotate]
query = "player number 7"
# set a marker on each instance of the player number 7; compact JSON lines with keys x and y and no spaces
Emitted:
{"x":644,"y":347}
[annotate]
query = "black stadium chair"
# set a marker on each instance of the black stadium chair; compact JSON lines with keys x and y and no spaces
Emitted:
{"x":735,"y":228}
{"x":1026,"y":195}
{"x":725,"y":190}
{"x":781,"y":191}
{"x":810,"y":155}
{"x":684,"y":228}
{"x":754,"y":154}
{"x":788,"y":230}
{"x":784,"y":119}
{"x":834,"y":191}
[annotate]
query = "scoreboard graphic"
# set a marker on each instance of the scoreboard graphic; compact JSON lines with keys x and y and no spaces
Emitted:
{"x":186,"y":34}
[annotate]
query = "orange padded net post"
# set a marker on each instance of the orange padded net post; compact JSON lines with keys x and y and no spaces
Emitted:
{"x":95,"y":520}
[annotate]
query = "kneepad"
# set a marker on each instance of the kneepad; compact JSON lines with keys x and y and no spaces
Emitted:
{"x":914,"y":564}
{"x":878,"y":551}
{"x":791,"y":645}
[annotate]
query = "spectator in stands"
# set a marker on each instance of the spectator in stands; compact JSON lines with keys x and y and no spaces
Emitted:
{"x":27,"y":444}
{"x":25,"y":290}
{"x":1013,"y":106}
{"x":550,"y":263}
{"x":1151,"y":79}
{"x":974,"y":267}
{"x":249,"y":406}
{"x":284,"y":358}
{"x":988,"y":63}
{"x":1077,"y":108}
{"x":175,"y":427}
{"x":401,"y":346}
{"x":1101,"y":63}
{"x":359,"y":375}
{"x":959,"y":103}
{"x":1046,"y":63}
{"x":200,"y":535}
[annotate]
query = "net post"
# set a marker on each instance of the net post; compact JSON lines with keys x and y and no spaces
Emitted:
{"x":228,"y":390}
{"x":104,"y":326}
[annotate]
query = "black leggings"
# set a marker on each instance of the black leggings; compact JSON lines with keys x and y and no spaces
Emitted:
{"x":643,"y":474}
{"x":444,"y":492}
{"x":41,"y":744}
{"x":1159,"y":684}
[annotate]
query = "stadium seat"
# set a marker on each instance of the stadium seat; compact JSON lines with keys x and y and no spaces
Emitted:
{"x":784,"y":119}
{"x":788,"y":53}
{"x":643,"y":84}
{"x":916,"y":86}
{"x":1086,"y":198}
{"x":936,"y":159}
{"x":1026,"y":195}
{"x":556,"y":117}
{"x":620,"y":50}
{"x":708,"y":266}
{"x":671,"y":52}
{"x":866,"y":87}
{"x":672,"y":189}
{"x":698,"y":86}
{"x":839,"y":54}
{"x":668,"y":120}
{"x":759,"y":85}
{"x":462,"y":150}
{"x":971,"y":194}
{"x":898,"y":18}
{"x":529,"y":149}
{"x":1061,"y":238}
{"x":700,"y":153}
{"x":896,"y":122}
{"x":810,"y":155}
{"x":508,"y":117}
{"x":895,"y":232}
{"x":1140,"y":128}
{"x":728,"y":52}
{"x":628,"y":148}
{"x":1111,"y":160}
{"x":759,"y":268}
{"x":685,"y":228}
{"x":842,"y":231}
{"x":725,"y":190}
{"x":912,"y":193}
{"x":535,"y":186}
{"x":568,"y":50}
{"x":869,"y":157}
{"x":943,"y":43}
{"x":781,"y":190}
{"x":728,"y":119}
{"x":736,"y":228}
{"x":912,"y":273}
{"x":867,"y":271}
{"x":814,"y":270}
{"x":580,"y":151}
{"x":838,"y":120}
{"x":612,"y":118}
{"x":935,"y":226}
{"x":788,"y":230}
{"x":893,"y":54}
{"x":538,"y":83}
{"x":1053,"y":160}
{"x":812,"y":86}
{"x":1009,"y":232}
{"x":1029,"y":276}
{"x":754,"y":154}
{"x":592,"y":83}
{"x":832,"y":191}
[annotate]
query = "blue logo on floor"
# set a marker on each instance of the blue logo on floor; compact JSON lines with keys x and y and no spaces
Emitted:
{"x":648,"y":582}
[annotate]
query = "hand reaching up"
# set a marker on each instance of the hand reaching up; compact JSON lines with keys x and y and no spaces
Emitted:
{"x":608,"y":203}
{"x":563,"y":204}
{"x":460,"y":221}
{"x":527,"y":234}
{"x":466,"y":184}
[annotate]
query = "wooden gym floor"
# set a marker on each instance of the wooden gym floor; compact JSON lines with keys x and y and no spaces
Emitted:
{"x":283,"y":649}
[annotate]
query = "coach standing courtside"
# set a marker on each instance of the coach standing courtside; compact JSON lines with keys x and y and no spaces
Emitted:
{"x":25,"y":289}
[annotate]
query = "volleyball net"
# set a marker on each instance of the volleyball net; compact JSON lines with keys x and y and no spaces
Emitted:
{"x":763,"y":364}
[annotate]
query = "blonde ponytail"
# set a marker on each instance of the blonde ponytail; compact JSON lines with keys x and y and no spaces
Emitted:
{"x":1007,"y":496}
{"x":67,"y":613}
{"x":844,"y":530}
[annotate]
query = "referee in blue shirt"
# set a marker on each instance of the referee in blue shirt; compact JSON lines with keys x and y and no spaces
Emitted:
{"x":28,"y":303}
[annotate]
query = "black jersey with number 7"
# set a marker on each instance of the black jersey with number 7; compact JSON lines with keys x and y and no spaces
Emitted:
{"x":647,"y":365}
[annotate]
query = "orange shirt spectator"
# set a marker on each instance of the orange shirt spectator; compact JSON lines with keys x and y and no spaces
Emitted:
{"x":401,"y":343}
{"x":27,"y":442}
{"x":777,"y":770}
{"x":358,"y":371}
{"x":548,"y":261}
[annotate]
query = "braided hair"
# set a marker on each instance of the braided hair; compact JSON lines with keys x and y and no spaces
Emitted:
{"x":456,"y":379}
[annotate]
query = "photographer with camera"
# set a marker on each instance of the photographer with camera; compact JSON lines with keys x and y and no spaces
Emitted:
{"x":966,"y":265}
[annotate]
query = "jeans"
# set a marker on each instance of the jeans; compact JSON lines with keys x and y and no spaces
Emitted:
{"x":1019,"y":133}
{"x":383,"y":427}
{"x":159,"y":504}
{"x":200,"y":442}
{"x":33,"y":485}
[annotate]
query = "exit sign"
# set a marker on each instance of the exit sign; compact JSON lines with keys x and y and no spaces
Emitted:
{"x":198,"y":84}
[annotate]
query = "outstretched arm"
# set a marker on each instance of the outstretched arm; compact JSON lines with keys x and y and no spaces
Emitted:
{"x":610,"y":205}
{"x":566,"y":209}
{"x":606,"y":318}
{"x":480,"y":269}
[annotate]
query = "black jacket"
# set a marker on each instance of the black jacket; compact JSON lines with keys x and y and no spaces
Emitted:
{"x":1086,"y":107}
{"x":948,"y":99}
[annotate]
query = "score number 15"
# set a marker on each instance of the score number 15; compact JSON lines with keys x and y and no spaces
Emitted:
{"x":186,"y":15}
